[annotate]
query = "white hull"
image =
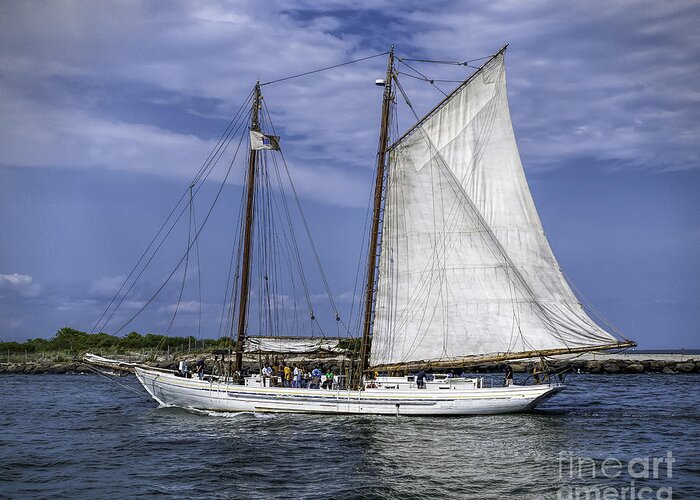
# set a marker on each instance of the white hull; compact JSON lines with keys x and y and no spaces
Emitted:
{"x":171,"y":390}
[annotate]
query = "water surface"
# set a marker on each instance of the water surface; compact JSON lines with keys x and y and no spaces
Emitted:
{"x":82,"y":436}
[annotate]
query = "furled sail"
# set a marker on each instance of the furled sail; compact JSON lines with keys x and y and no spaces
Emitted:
{"x":292,"y":345}
{"x":465,"y":268}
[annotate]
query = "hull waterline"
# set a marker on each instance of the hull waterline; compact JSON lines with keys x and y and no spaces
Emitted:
{"x":171,"y":390}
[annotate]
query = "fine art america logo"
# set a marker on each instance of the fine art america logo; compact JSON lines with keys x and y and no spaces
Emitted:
{"x":637,"y":479}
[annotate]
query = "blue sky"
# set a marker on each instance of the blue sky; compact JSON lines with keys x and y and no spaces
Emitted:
{"x":110,"y":108}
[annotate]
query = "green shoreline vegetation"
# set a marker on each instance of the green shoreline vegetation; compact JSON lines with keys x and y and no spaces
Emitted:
{"x":63,"y":354}
{"x":69,"y":342}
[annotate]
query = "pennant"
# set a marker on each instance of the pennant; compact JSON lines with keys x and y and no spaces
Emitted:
{"x":259,"y":141}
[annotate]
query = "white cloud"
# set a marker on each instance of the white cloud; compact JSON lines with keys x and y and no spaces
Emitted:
{"x":190,"y":306}
{"x":37,"y":135}
{"x":212,"y":50}
{"x":619,"y":84}
{"x":601,"y":80}
{"x":16,"y":279}
{"x":21,"y":284}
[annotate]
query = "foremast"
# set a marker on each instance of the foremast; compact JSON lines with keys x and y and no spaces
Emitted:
{"x":376,"y":219}
{"x":247,"y":233}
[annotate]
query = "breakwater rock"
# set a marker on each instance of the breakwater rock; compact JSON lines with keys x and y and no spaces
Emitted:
{"x":595,"y":366}
{"x":610,"y":366}
{"x":79,"y":366}
{"x":47,"y":367}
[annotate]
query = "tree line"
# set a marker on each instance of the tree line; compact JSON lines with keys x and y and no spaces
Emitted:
{"x":70,"y":339}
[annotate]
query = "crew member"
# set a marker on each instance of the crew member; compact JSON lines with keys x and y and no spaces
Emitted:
{"x":420,"y":379}
{"x":508,"y":381}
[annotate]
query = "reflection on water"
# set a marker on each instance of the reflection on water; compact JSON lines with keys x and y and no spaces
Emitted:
{"x":81,"y":436}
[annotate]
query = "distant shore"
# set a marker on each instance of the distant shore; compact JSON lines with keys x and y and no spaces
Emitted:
{"x":62,"y":354}
{"x":630,"y":362}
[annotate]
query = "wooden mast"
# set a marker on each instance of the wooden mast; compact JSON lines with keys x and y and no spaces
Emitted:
{"x":247,"y":233}
{"x":376,"y":215}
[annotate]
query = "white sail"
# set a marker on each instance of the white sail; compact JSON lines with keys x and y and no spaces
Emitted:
{"x":465,"y":268}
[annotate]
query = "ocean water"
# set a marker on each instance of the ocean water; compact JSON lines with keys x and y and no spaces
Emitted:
{"x":82,"y":436}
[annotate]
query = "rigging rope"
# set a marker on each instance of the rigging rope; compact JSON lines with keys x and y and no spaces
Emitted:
{"x":428,"y":79}
{"x":112,"y":379}
{"x":519,"y":280}
{"x":207,"y":167}
{"x":306,"y":224}
{"x":184,"y":274}
{"x":292,"y":242}
{"x":451,"y":63}
{"x":587,"y":304}
{"x":199,"y":271}
{"x":362,"y":257}
{"x":425,"y":78}
{"x":323,"y":69}
{"x":232,"y":278}
{"x":196,"y":237}
{"x":425,"y":292}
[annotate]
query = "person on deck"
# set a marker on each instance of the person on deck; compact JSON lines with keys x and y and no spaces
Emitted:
{"x":296,"y":382}
{"x":420,"y":379}
{"x":508,"y":380}
{"x":275,"y":374}
{"x":267,"y":375}
{"x":316,"y":377}
{"x":280,"y":372}
{"x":538,"y":370}
{"x":287,"y":375}
{"x":328,"y":383}
{"x":199,"y":366}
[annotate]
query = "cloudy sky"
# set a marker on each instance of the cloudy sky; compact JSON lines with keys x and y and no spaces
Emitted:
{"x":109,"y":108}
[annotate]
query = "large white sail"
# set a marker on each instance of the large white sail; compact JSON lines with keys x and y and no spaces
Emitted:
{"x":465,"y":268}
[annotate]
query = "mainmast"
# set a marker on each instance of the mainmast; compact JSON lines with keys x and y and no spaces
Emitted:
{"x":376,"y":214}
{"x":247,"y":233}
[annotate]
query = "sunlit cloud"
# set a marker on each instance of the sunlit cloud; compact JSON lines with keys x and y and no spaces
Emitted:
{"x":614,"y":87}
{"x":21,"y":285}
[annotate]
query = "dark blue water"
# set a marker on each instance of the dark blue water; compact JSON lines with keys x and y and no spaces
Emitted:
{"x":83,"y":436}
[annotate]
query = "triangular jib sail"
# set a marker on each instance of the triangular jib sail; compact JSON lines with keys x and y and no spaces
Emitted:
{"x":465,"y":268}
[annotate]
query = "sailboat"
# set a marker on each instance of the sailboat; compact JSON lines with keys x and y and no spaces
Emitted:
{"x":459,"y":273}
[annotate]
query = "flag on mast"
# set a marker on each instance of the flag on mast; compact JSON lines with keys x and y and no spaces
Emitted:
{"x":258,"y":141}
